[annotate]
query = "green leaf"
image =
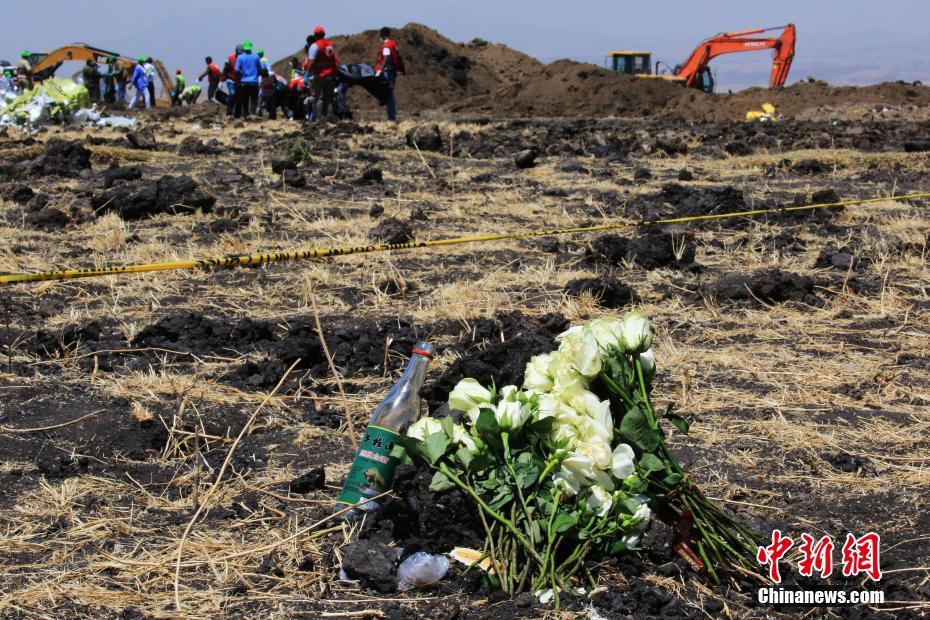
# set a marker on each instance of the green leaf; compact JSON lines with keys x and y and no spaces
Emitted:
{"x":400,"y":453}
{"x":650,"y":463}
{"x":678,"y":422}
{"x":488,"y":428}
{"x":464,"y":456}
{"x":480,"y":462}
{"x":447,"y":425}
{"x":435,"y":446}
{"x":440,"y":482}
{"x":564,"y":521}
{"x":635,"y":429}
{"x":542,"y":428}
{"x":672,"y":480}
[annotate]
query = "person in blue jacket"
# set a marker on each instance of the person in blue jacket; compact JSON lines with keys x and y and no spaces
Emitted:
{"x":140,"y":82}
{"x":248,"y":67}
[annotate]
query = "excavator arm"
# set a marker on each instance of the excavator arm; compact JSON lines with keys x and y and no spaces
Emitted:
{"x":694,"y":68}
{"x":48,"y":63}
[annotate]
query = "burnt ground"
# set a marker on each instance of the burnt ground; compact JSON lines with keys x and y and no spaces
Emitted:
{"x":799,"y":345}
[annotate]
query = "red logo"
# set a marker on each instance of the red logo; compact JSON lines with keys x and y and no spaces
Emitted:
{"x":773,"y":553}
{"x":860,"y":555}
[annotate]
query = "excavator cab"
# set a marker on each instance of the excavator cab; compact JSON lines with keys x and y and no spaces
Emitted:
{"x":631,"y":63}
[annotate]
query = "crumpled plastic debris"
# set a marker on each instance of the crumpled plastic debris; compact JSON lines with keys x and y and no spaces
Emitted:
{"x":53,"y":99}
{"x":116,"y":121}
{"x":765,"y":115}
{"x":421,"y":569}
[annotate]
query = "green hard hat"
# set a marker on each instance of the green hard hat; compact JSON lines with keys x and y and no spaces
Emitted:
{"x":247,"y":45}
{"x":25,"y":55}
{"x":141,"y":59}
{"x":261,"y":52}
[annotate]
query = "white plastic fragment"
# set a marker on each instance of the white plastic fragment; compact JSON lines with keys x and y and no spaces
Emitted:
{"x":421,"y":569}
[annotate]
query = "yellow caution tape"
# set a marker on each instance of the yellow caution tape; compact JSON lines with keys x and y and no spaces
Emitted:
{"x":280,"y":257}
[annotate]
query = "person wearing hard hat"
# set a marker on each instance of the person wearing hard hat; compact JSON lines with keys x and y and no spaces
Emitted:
{"x":6,"y":81}
{"x":265,"y":63}
{"x":248,"y":66}
{"x":141,"y":84}
{"x":24,"y":72}
{"x":179,"y":84}
{"x":388,"y":65}
{"x":322,"y":64}
{"x":109,"y":81}
{"x":191,"y":94}
{"x":91,"y":76}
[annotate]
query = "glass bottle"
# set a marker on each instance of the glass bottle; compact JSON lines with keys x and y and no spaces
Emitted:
{"x":373,"y":467}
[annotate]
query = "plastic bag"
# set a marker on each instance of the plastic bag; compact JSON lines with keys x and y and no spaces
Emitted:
{"x":421,"y":569}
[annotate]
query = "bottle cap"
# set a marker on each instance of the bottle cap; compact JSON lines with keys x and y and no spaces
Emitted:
{"x":425,"y":349}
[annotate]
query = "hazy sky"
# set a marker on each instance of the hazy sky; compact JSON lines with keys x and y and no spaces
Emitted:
{"x":849,"y":41}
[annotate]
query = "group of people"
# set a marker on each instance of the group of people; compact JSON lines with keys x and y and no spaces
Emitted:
{"x":312,"y":90}
{"x":120,"y":77}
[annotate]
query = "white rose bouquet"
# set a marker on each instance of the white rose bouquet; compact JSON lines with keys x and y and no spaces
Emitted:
{"x":573,"y":463}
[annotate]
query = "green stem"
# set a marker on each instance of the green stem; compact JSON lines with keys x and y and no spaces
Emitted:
{"x":530,"y":550}
{"x":508,"y":461}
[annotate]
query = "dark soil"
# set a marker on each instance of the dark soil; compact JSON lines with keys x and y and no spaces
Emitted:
{"x":650,"y":250}
{"x":608,"y":291}
{"x":765,"y":286}
{"x":172,"y":195}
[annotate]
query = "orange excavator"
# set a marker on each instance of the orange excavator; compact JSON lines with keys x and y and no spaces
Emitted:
{"x":44,"y":65}
{"x":695,"y":71}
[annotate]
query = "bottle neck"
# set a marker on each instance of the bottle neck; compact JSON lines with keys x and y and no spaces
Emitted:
{"x":401,"y":406}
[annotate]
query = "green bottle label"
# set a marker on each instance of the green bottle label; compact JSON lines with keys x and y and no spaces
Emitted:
{"x":372,"y":469}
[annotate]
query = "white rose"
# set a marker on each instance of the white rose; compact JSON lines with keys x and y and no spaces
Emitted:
{"x":636,"y":334}
{"x":600,"y":501}
{"x":511,"y":415}
{"x":642,"y":514}
{"x":647,"y":360}
{"x":621,"y":464}
{"x":424,"y":427}
{"x":607,"y":332}
{"x":461,"y":436}
{"x":596,"y":449}
{"x":631,"y":541}
{"x":467,"y":395}
{"x":537,"y":376}
{"x":567,"y":381}
{"x":597,"y":410}
{"x":551,"y":407}
{"x":580,"y":348}
{"x":574,"y":472}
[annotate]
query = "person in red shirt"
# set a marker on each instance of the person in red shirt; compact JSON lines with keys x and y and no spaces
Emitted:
{"x":322,"y":64}
{"x":212,"y":73}
{"x":388,"y":65}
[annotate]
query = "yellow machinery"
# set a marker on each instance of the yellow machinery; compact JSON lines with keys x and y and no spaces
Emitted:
{"x":637,"y":63}
{"x":45,"y":65}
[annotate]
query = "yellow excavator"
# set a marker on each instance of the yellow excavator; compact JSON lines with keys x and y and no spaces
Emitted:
{"x":44,"y":65}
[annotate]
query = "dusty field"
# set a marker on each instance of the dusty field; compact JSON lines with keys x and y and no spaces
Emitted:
{"x":799,"y":346}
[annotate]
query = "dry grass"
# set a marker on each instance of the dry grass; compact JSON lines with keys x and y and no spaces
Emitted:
{"x":774,"y":391}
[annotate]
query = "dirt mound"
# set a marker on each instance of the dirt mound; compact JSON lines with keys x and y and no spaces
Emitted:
{"x":64,"y":158}
{"x":491,"y":79}
{"x":441,"y":70}
{"x":168,"y":194}
{"x":651,"y":250}
{"x":569,"y":88}
{"x":764,"y":285}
